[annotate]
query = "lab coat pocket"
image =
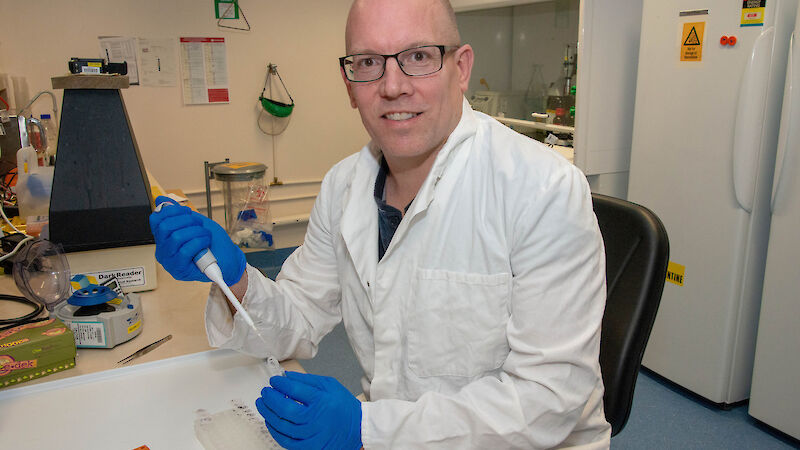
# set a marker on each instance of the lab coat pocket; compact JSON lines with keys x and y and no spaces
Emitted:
{"x":457,"y":323}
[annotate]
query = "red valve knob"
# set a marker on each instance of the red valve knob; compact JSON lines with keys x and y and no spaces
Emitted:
{"x":723,"y":40}
{"x":732,"y":41}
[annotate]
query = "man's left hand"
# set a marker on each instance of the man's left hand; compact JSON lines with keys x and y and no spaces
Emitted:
{"x":304,"y":411}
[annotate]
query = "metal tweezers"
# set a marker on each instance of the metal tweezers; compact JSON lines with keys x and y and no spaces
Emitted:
{"x":144,"y":350}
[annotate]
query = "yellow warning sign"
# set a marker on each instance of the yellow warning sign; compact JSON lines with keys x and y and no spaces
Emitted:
{"x":675,"y":273}
{"x":752,"y":17}
{"x":692,"y":41}
{"x":753,"y":13}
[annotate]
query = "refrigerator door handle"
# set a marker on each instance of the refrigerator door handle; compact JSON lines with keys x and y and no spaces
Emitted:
{"x":788,"y":135}
{"x":750,"y":119}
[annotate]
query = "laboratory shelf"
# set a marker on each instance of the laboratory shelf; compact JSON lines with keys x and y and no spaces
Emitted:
{"x":535,"y":125}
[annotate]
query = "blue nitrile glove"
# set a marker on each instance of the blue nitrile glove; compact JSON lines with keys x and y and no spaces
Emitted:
{"x":181,"y":234}
{"x":304,"y":411}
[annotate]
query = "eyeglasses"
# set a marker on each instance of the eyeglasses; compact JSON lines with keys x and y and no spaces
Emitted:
{"x":414,"y":62}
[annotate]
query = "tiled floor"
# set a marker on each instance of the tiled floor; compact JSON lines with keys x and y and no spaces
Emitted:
{"x":664,"y":416}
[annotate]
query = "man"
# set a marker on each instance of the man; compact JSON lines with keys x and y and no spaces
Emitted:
{"x":464,"y":260}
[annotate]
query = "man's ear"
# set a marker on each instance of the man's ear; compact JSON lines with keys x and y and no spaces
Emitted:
{"x":465,"y":58}
{"x":349,"y":87}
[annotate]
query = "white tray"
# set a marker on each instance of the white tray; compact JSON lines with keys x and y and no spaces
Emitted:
{"x":149,"y":404}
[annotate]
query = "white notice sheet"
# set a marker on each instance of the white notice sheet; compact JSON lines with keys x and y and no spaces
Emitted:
{"x":118,"y":49}
{"x":158,"y":65}
{"x":204,"y":68}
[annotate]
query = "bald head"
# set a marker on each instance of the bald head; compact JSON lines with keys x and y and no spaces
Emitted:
{"x":440,"y":10}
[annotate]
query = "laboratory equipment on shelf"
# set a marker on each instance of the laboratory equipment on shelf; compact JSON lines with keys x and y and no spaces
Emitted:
{"x":15,"y":135}
{"x":499,"y":104}
{"x":96,"y":66}
{"x":45,"y":143}
{"x":39,"y":136}
{"x":707,"y":173}
{"x":558,"y":108}
{"x":101,"y":200}
{"x":561,"y":98}
{"x":508,"y":40}
{"x":25,"y":108}
{"x":570,"y":67}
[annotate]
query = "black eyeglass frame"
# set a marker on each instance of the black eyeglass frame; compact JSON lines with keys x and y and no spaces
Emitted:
{"x":442,"y":50}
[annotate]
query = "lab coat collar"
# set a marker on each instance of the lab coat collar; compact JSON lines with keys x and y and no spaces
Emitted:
{"x":465,"y":129}
{"x":359,"y":225}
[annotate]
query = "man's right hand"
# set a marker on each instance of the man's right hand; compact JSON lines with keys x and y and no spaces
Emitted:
{"x":181,"y":233}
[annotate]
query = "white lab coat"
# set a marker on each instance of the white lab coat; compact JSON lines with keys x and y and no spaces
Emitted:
{"x":480,"y":327}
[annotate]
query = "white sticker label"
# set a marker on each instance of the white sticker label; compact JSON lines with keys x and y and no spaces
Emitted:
{"x":88,"y":69}
{"x":132,"y":276}
{"x":89,"y":333}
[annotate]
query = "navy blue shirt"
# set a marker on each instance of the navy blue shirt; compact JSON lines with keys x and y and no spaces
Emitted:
{"x":389,"y":217}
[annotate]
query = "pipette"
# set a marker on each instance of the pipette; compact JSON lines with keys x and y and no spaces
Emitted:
{"x":207,"y":263}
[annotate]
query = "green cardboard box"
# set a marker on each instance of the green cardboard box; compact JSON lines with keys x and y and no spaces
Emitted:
{"x":34,"y":350}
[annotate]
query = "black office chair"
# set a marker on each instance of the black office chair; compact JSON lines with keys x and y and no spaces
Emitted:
{"x":637,"y":252}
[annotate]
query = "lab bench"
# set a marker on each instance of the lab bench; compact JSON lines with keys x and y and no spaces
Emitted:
{"x":120,"y":405}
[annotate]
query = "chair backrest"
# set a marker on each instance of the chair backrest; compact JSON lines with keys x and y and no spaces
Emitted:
{"x":637,"y":253}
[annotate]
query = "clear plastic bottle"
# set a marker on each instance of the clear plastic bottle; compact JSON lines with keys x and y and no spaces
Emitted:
{"x":35,"y":136}
{"x":51,"y":132}
{"x":34,"y":184}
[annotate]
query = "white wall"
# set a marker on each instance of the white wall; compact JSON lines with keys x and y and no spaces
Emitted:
{"x":303,"y":38}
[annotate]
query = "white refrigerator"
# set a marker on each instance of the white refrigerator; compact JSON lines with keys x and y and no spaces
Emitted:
{"x":705,"y":135}
{"x":775,"y":393}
